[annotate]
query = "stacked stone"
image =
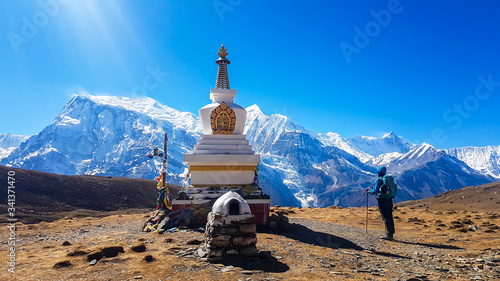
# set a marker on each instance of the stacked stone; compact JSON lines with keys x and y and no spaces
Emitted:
{"x":279,"y":221}
{"x":230,"y":235}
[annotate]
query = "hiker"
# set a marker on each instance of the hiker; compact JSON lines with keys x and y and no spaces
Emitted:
{"x":385,"y":189}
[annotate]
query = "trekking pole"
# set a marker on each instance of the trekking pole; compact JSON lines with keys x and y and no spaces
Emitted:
{"x":367,"y":213}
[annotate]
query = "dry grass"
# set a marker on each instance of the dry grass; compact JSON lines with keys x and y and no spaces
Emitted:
{"x":428,"y":244}
{"x":41,"y":247}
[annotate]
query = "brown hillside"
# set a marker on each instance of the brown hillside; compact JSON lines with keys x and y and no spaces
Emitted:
{"x":43,"y":196}
{"x":480,"y":198}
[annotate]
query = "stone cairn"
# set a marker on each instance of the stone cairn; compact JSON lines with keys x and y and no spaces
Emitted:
{"x":279,"y":221}
{"x":230,"y":229}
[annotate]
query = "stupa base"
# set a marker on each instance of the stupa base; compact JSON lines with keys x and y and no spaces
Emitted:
{"x":195,"y":211}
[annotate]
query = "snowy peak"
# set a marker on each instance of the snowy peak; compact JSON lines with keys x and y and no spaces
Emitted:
{"x":390,"y":142}
{"x":334,"y":139}
{"x":254,"y":109}
{"x":425,"y":171}
{"x":254,"y":113}
{"x":146,"y":106}
{"x":418,"y":156}
{"x":270,"y":127}
{"x":331,"y":139}
{"x":143,"y":105}
{"x":424,"y":153}
{"x":107,"y":135}
{"x":391,"y":134}
{"x":486,"y":159}
{"x":279,"y":120}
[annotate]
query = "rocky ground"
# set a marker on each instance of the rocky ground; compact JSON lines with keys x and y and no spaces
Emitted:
{"x":453,"y":236}
{"x":321,"y":244}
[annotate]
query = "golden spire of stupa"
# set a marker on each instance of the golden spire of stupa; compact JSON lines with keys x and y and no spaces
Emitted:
{"x":222,"y":75}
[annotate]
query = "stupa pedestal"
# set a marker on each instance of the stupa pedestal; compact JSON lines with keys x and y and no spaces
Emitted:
{"x":222,"y":159}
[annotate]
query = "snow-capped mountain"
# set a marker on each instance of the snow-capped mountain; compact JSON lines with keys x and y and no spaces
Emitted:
{"x":309,"y":169}
{"x":390,"y":142}
{"x":334,"y":139}
{"x":9,"y":142}
{"x":426,"y":171}
{"x":484,"y":159}
{"x":320,"y":174}
{"x":111,"y":136}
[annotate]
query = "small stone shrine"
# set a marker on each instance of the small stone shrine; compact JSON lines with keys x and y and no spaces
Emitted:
{"x":230,"y":229}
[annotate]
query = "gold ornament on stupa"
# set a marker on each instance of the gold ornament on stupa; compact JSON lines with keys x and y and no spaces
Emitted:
{"x":222,"y":52}
{"x":223,"y":120}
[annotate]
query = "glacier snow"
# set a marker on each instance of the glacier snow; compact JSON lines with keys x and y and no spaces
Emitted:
{"x":9,"y":142}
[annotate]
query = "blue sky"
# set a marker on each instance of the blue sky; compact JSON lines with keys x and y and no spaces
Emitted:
{"x":427,"y":70}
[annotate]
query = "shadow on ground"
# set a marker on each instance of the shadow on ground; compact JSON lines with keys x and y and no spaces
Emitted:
{"x":305,"y":235}
{"x":266,"y":264}
{"x":438,"y":246}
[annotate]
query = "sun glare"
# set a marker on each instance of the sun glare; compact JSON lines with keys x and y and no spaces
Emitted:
{"x":102,"y":28}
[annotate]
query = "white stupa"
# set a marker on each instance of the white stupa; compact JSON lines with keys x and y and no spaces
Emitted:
{"x":222,"y":160}
{"x":222,"y":157}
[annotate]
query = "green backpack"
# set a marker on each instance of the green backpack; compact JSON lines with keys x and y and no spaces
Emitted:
{"x":389,"y":189}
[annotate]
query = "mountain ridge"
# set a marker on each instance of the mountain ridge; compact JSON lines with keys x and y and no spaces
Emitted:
{"x":107,"y":135}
